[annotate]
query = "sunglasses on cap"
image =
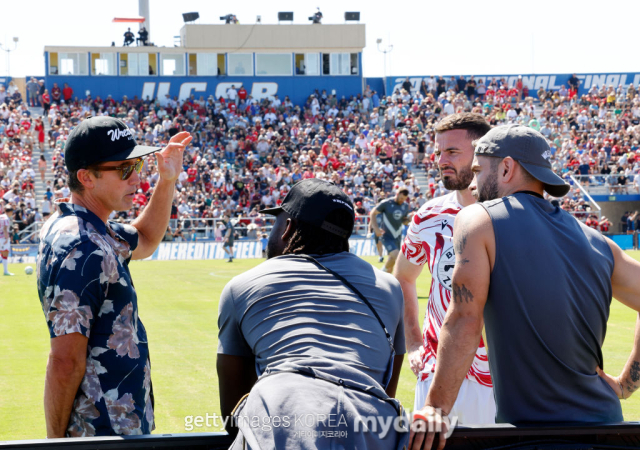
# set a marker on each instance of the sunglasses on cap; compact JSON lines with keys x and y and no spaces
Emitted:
{"x":126,"y":170}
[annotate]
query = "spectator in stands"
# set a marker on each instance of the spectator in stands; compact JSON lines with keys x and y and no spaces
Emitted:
{"x":67,"y":93}
{"x":128,"y":37}
{"x":46,"y":102}
{"x":624,"y":223}
{"x":481,"y":89}
{"x":56,"y":94}
{"x":45,"y":206}
{"x":324,"y":137}
{"x":40,"y":91}
{"x":12,"y":88}
{"x":32,"y":92}
{"x":143,"y":36}
{"x":407,"y":85}
{"x":631,"y":217}
{"x":42,"y":167}
{"x":461,"y":84}
{"x":604,"y":225}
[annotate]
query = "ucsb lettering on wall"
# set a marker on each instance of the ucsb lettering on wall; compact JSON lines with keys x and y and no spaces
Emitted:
{"x":298,"y":88}
{"x":178,"y":251}
{"x":551,"y":82}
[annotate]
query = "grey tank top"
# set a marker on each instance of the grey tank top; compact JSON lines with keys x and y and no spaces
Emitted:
{"x":546,"y":315}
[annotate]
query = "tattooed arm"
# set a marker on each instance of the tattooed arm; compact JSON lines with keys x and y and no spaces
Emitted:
{"x":474,"y":244}
{"x":626,"y":289}
{"x":630,"y":376}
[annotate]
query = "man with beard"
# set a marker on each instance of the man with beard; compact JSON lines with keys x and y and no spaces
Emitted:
{"x":542,"y":281}
{"x":430,"y":241}
{"x":320,"y":327}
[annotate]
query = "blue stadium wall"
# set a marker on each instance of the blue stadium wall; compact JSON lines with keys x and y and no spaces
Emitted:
{"x":550,"y":81}
{"x":297,"y":87}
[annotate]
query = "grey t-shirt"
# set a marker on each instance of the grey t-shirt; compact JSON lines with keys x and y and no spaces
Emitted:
{"x":392,"y":216}
{"x":287,"y":310}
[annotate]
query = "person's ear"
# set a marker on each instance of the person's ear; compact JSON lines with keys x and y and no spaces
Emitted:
{"x":507,"y":169}
{"x":86,"y":178}
{"x":290,"y":228}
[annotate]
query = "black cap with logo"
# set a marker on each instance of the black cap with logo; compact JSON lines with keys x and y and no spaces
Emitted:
{"x":312,"y":201}
{"x":102,"y":139}
{"x":527,"y":146}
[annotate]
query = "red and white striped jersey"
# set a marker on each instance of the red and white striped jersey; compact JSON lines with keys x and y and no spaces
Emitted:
{"x":430,"y":241}
{"x":5,"y":224}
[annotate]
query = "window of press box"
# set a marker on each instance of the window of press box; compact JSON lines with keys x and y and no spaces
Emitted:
{"x":340,"y":64}
{"x":172,"y":64}
{"x":68,"y":63}
{"x":204,"y":64}
{"x":240,"y":64}
{"x":103,"y":64}
{"x":307,"y":63}
{"x":273,"y":64}
{"x":138,"y":64}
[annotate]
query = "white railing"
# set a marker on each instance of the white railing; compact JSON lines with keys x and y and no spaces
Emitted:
{"x":607,"y":184}
{"x":585,"y":193}
{"x":204,"y":228}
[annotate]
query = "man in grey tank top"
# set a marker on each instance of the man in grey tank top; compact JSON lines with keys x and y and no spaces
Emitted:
{"x":543,"y":282}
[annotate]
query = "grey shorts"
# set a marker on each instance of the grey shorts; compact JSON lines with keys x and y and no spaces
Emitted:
{"x":289,"y":410}
{"x":390,"y":243}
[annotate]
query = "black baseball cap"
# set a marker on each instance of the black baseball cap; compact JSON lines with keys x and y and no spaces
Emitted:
{"x":102,"y":139}
{"x":527,"y":146}
{"x":312,"y":200}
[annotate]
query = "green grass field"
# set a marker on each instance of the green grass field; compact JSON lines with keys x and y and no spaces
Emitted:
{"x":178,"y":306}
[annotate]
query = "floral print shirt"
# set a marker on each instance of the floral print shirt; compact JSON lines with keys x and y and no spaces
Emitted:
{"x":85,"y":287}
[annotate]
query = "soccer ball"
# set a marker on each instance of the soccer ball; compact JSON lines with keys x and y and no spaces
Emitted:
{"x":28,"y":270}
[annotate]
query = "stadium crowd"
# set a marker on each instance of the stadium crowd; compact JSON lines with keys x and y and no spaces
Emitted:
{"x":247,"y":153}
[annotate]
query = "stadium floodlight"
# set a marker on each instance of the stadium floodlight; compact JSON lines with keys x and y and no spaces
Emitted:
{"x":190,"y":17}
{"x":286,"y":16}
{"x":353,"y":16}
{"x":385,"y":50}
{"x":9,"y":50}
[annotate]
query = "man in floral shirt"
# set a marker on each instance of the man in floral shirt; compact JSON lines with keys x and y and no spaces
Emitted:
{"x":98,"y":379}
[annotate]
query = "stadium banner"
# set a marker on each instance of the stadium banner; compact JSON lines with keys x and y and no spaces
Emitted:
{"x":23,"y":253}
{"x":174,"y":251}
{"x":179,"y":251}
{"x":616,"y":198}
{"x":183,"y":251}
{"x":298,"y":88}
{"x":550,"y":82}
{"x":624,"y":241}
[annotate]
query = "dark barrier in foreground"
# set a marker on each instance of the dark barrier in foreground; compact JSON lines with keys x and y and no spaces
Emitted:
{"x":625,"y":435}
